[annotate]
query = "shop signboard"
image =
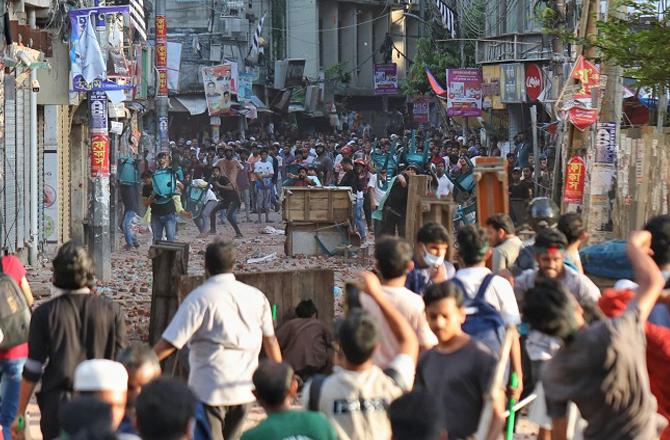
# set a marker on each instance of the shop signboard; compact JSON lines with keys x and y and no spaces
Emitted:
{"x":464,"y":96}
{"x":386,"y":79}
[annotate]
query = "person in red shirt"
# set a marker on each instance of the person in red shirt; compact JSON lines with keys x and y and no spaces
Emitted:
{"x":613,"y":303}
{"x":12,"y":359}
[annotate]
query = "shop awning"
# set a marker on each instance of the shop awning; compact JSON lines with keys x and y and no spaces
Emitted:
{"x":193,"y":104}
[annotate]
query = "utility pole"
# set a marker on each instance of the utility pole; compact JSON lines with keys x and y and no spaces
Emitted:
{"x":161,"y":99}
{"x":99,"y":193}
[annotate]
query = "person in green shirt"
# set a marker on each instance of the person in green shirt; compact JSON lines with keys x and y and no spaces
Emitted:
{"x":275,"y":389}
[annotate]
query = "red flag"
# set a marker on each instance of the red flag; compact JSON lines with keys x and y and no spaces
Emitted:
{"x":437,"y":88}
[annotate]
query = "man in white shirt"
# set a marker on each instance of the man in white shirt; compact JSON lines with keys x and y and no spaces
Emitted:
{"x":474,"y":250}
{"x":264,"y":188}
{"x":355,"y":398}
{"x":444,"y":185}
{"x":226,"y":323}
{"x":393,"y":261}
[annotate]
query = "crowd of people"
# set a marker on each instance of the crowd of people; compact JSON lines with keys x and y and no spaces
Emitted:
{"x":415,"y":355}
{"x":210,"y":182}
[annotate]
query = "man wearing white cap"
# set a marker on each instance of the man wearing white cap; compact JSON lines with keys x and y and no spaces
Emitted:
{"x":108,"y":381}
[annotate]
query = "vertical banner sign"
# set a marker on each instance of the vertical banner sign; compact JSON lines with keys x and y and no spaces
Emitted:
{"x":386,"y":79}
{"x":605,"y":143}
{"x":161,"y":54}
{"x":575,"y":179}
{"x":421,"y":111}
{"x":465,"y":92}
{"x":97,"y":107}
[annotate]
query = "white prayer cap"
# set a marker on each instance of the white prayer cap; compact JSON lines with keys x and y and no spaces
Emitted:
{"x":100,"y":375}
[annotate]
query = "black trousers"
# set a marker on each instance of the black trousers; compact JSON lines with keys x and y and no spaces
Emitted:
{"x":50,"y":404}
{"x":392,"y":221}
{"x":231,"y":209}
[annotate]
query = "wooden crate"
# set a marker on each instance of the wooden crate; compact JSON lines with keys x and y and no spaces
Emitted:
{"x":492,"y":187}
{"x":322,"y":205}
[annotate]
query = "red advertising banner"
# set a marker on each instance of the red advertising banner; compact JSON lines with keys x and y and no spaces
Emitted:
{"x":161,"y":28}
{"x":588,"y":76}
{"x":99,"y":155}
{"x":162,"y":83}
{"x":582,"y":118}
{"x":534,"y":82}
{"x":161,"y":55}
{"x":575,"y":178}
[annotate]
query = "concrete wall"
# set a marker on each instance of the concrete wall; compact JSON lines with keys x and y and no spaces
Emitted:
{"x":348,"y":47}
{"x":329,"y":16}
{"x":379,"y":28}
{"x":365,"y":49}
{"x":302,"y":33}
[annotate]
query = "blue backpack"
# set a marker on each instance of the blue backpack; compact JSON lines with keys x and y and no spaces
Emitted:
{"x":128,"y":173}
{"x":164,"y":185}
{"x":485,"y":324}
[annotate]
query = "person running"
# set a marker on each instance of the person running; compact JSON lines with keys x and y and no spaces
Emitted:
{"x":229,"y":201}
{"x":459,"y":369}
{"x":275,"y":388}
{"x":159,"y":198}
{"x":226,"y":323}
{"x":355,"y":398}
{"x":57,"y":342}
{"x":600,"y":367}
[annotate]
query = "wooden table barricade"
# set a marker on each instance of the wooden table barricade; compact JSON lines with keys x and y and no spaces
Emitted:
{"x":284,"y":290}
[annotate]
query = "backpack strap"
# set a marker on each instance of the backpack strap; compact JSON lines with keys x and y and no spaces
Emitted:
{"x":395,"y":376}
{"x":315,"y":391}
{"x":484,"y":287}
{"x":460,"y":285}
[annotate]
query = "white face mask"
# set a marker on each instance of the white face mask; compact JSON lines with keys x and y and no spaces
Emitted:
{"x":432,"y":260}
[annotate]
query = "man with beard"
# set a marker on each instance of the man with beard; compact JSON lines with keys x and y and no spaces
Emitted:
{"x":506,"y":245}
{"x":229,"y":165}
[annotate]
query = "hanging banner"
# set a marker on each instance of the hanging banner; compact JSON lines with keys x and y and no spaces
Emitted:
{"x":245,"y":86}
{"x":386,"y":79}
{"x":534,"y":82}
{"x":588,"y":76}
{"x":100,"y":155}
{"x":582,"y":118}
{"x":161,"y":28}
{"x":421,"y":110}
{"x":575,"y":178}
{"x":220,"y":85}
{"x":88,"y":71}
{"x":97,"y":112}
{"x":605,"y":143}
{"x":465,"y":92}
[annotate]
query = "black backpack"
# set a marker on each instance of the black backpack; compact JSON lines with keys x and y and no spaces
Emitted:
{"x":14,"y":312}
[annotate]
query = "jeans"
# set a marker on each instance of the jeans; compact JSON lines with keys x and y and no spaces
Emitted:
{"x":203,"y":220}
{"x":131,"y":239}
{"x":245,"y":196}
{"x":359,"y":219}
{"x":10,"y":381}
{"x":167,"y":222}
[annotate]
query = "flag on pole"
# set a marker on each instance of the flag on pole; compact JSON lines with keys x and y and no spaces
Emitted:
{"x":88,"y":56}
{"x":137,"y":18}
{"x":255,"y":48}
{"x":448,"y":17}
{"x":437,"y":88}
